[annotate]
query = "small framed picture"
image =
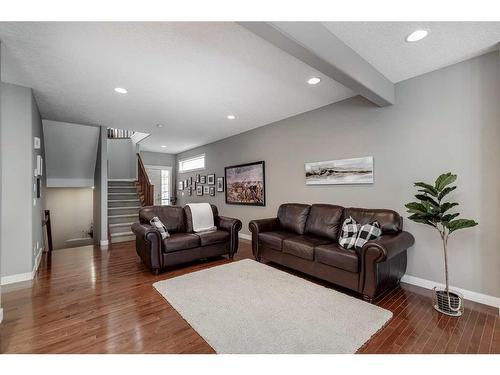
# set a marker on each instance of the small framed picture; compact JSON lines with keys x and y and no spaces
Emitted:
{"x":197,"y":178}
{"x":190,"y":180}
{"x":211,"y":179}
{"x":203,"y":179}
{"x":212,"y":191}
{"x":185,"y":183}
{"x":206,"y":190}
{"x":180,"y":185}
{"x":190,"y":191}
{"x":199,"y":190}
{"x":220,"y":184}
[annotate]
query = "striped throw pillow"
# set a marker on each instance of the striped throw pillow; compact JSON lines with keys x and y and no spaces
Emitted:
{"x":157,"y":224}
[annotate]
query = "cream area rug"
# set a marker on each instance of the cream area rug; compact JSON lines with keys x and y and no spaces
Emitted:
{"x":249,"y":307}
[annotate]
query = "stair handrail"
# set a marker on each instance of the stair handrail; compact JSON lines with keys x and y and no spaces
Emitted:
{"x":144,"y":184}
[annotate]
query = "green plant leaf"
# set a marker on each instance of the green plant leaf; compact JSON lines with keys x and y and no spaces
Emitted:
{"x":446,"y":206}
{"x":445,"y":191}
{"x":427,"y":188}
{"x":426,"y":198}
{"x":415,"y":207}
{"x":449,"y":217}
{"x":422,"y":219}
{"x":455,"y":225}
{"x":444,"y":180}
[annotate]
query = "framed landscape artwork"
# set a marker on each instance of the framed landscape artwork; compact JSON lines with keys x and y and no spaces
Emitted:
{"x":245,"y":184}
{"x":220,"y":184}
{"x":339,"y":172}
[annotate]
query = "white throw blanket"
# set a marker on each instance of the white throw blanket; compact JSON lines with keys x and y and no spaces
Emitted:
{"x":202,"y":216}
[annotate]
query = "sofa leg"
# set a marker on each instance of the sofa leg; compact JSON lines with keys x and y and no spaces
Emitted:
{"x":156,"y":271}
{"x":367,"y":298}
{"x":258,"y":259}
{"x":231,"y":257}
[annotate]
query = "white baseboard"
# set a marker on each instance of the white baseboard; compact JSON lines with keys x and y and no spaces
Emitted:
{"x":103,"y":243}
{"x":1,"y":315}
{"x":17,"y":278}
{"x":245,"y":236}
{"x":468,"y":294}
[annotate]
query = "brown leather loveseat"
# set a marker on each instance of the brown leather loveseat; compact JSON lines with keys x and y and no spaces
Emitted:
{"x":305,"y":238}
{"x":183,"y":245}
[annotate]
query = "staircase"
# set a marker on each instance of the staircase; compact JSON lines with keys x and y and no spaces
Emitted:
{"x":123,"y":209}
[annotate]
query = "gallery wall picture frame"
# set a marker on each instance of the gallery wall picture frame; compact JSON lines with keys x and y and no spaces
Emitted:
{"x":246,"y":184}
{"x":190,"y":191}
{"x":211,"y":179}
{"x":206,"y":190}
{"x":203,"y":179}
{"x":220,"y":184}
{"x":185,"y":183}
{"x":197,"y":178}
{"x":212,"y":191}
{"x":199,"y":190}
{"x":180,"y":185}
{"x":190,"y":180}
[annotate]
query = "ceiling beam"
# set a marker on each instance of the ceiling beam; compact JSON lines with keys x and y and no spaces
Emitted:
{"x":313,"y":44}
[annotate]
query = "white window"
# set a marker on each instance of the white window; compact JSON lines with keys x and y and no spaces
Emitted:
{"x":192,"y":164}
{"x":165,"y":187}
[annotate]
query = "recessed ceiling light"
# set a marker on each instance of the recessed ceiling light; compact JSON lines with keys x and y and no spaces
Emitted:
{"x":159,"y":125}
{"x":163,"y":146}
{"x":314,"y":80}
{"x":121,"y":90}
{"x":417,"y":35}
{"x":231,"y":117}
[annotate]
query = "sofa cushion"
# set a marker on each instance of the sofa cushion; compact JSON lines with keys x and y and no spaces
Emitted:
{"x":336,"y":256}
{"x":172,"y":217}
{"x":180,"y":241}
{"x":324,"y":220}
{"x":274,"y":240}
{"x":390,"y":221}
{"x":303,"y":246}
{"x":211,"y":238}
{"x":293,"y":216}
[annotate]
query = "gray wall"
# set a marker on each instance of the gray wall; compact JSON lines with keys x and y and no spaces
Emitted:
{"x":443,"y":121}
{"x":38,"y":209}
{"x":101,"y":189}
{"x":20,"y":121}
{"x":122,"y":159}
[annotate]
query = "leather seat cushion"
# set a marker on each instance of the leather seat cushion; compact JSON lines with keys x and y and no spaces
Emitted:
{"x":180,"y":241}
{"x":211,"y":238}
{"x":303,"y":246}
{"x":274,"y":240}
{"x":336,"y":256}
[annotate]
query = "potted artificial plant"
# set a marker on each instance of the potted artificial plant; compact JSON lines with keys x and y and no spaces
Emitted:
{"x":433,"y":210}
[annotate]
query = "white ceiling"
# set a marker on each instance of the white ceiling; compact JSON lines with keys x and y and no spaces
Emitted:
{"x":189,"y":76}
{"x":383,"y":44}
{"x":186,"y":76}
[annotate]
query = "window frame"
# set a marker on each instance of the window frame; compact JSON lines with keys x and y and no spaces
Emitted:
{"x":199,"y":156}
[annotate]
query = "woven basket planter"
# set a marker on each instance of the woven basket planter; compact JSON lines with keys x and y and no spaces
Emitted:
{"x":450,"y":303}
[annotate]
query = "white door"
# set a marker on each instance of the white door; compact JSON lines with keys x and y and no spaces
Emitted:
{"x":161,"y":178}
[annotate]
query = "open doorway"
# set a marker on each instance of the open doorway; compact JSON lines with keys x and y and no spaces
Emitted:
{"x":161,"y":178}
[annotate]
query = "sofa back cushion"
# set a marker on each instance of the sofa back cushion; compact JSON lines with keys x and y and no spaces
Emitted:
{"x":172,"y":217}
{"x":293,"y":216}
{"x":189,"y":217}
{"x":325,"y":220}
{"x":389,"y":220}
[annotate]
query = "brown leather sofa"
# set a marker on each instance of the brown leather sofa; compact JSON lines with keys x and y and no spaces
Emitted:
{"x":183,"y":245}
{"x":305,"y":238}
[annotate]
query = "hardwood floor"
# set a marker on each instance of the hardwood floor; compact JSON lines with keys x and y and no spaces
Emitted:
{"x":90,"y":301}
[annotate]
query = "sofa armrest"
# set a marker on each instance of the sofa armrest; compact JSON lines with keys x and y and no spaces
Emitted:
{"x":387,"y":246}
{"x":233,"y":226}
{"x":260,"y":226}
{"x":383,"y":263}
{"x":148,"y":245}
{"x":263,"y":225}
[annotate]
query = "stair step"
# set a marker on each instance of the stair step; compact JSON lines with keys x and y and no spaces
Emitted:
{"x":124,"y":208}
{"x":122,"y":237}
{"x":121,"y":183}
{"x":128,"y":223}
{"x":119,"y":234}
{"x":124,"y":218}
{"x":123,"y":200}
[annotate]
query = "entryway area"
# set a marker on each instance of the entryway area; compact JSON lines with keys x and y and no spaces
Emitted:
{"x":161,"y":178}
